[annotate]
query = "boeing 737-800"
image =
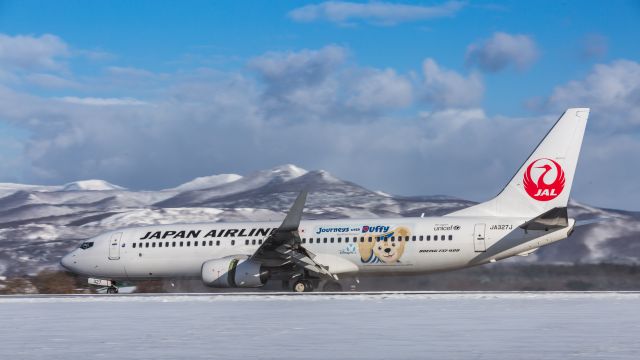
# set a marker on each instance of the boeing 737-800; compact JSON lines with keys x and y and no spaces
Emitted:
{"x":531,"y":211}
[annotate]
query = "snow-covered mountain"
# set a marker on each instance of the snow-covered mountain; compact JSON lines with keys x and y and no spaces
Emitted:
{"x":207,"y":182}
{"x":40,"y":223}
{"x":90,"y":185}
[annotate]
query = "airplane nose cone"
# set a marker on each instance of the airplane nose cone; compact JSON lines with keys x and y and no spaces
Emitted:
{"x":68,"y":262}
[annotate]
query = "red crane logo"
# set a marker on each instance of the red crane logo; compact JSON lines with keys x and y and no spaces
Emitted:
{"x":540,"y":189}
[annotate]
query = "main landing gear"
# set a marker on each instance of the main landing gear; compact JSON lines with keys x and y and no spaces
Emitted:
{"x":306,"y":285}
{"x":332,"y":286}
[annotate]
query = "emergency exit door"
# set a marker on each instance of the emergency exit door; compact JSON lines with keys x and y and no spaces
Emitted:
{"x":478,"y":238}
{"x":114,"y":246}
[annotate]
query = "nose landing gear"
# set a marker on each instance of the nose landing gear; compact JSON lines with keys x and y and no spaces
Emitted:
{"x":110,"y":285}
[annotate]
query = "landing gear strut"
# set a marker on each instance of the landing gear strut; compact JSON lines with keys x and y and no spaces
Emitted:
{"x":112,"y":287}
{"x":302,"y":285}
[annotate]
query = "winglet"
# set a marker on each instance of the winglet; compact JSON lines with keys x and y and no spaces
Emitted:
{"x":292,"y":220}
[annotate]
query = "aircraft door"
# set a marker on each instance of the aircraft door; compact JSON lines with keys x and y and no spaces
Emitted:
{"x":478,"y":238}
{"x":114,"y":246}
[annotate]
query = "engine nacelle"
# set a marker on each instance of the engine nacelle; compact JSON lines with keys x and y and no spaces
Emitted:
{"x":234,"y":271}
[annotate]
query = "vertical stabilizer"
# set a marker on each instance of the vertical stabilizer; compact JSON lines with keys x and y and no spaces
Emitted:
{"x":544,"y":180}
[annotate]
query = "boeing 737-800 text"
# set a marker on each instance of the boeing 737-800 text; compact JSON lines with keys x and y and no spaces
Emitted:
{"x":531,"y":211}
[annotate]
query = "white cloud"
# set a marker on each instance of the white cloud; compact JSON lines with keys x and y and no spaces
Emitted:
{"x":30,"y":52}
{"x":321,"y":84}
{"x":379,"y":89}
{"x":94,"y":55}
{"x":611,"y":90}
{"x":94,"y":101}
{"x":376,"y":12}
{"x":50,"y":81}
{"x":129,"y":71}
{"x":501,"y":51}
{"x":299,"y":68}
{"x":446,"y":88}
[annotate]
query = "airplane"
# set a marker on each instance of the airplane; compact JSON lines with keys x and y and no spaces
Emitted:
{"x":529,"y":212}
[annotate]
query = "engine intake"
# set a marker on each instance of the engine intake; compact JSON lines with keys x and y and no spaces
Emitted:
{"x":234,"y":272}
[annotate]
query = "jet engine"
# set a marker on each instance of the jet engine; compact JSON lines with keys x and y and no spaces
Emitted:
{"x":234,"y":271}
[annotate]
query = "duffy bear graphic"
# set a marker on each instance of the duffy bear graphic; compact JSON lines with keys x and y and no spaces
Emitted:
{"x":384,"y":248}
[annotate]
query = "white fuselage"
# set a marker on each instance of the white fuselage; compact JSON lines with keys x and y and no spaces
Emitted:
{"x":350,"y":246}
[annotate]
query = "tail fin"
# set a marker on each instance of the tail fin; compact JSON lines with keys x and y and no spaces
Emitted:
{"x":544,"y":180}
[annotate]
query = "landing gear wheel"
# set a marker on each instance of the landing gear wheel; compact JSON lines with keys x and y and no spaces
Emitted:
{"x":332,"y":286}
{"x":112,"y":290}
{"x":302,"y":286}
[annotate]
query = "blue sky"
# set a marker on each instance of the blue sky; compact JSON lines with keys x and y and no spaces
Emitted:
{"x":125,"y":91}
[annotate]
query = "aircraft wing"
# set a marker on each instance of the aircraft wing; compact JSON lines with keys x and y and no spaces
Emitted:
{"x":284,"y":247}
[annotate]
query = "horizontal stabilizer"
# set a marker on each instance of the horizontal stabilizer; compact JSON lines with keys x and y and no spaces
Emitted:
{"x":555,"y":218}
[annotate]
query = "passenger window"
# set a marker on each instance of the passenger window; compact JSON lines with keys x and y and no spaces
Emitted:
{"x":304,"y":240}
{"x":233,"y":242}
{"x":195,"y":243}
{"x":450,"y":237}
{"x":310,"y":240}
{"x":217,"y":242}
{"x":253,"y":242}
{"x":173,"y":244}
{"x":153,"y":244}
{"x":428,"y":237}
{"x":181,"y":243}
{"x":442,"y":237}
{"x":325,"y":240}
{"x":166,"y":244}
{"x":413,"y":238}
{"x":260,"y":241}
{"x":339,"y":240}
{"x":362,"y":239}
{"x":246,"y":242}
{"x":159,"y":244}
{"x":421,"y":238}
{"x":134,"y":245}
{"x":146,"y":245}
{"x":210,"y":242}
{"x":332,"y":240}
{"x":370,"y":238}
{"x":188,"y":243}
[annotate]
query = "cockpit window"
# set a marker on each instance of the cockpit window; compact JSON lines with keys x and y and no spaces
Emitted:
{"x":85,"y":245}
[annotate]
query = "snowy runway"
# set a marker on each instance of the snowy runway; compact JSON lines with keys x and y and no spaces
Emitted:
{"x":351,"y":326}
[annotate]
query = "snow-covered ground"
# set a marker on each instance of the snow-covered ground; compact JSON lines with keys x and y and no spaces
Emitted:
{"x":381,"y":326}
